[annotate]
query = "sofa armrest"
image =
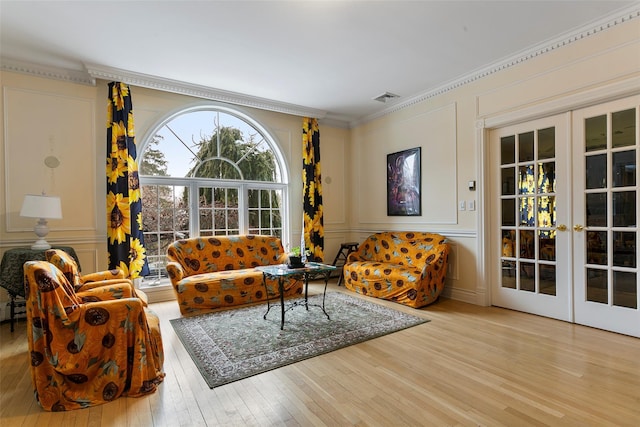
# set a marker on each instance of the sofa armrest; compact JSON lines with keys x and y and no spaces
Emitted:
{"x":355,"y":257}
{"x":175,"y":270}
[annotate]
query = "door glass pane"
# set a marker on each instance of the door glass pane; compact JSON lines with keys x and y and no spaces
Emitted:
{"x":527,"y":211}
{"x":625,"y":289}
{"x":508,"y":181}
{"x":597,"y":286}
{"x":509,"y":212}
{"x":547,"y":245}
{"x":546,"y":143}
{"x":595,"y":133}
{"x":624,"y":209}
{"x":596,"y":204}
{"x":508,"y":243}
{"x":547,"y":177}
{"x":547,"y":274}
{"x":624,"y":168}
{"x":508,"y":150}
{"x":527,"y":244}
{"x":546,"y":211}
{"x":526,"y":180}
{"x":509,"y":274}
{"x":525,"y":147}
{"x":527,"y":276}
{"x":596,"y":171}
{"x":624,"y":249}
{"x":623,"y":128}
{"x":597,"y":247}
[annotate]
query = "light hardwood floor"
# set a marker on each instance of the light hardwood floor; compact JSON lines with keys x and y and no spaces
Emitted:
{"x":469,"y":366}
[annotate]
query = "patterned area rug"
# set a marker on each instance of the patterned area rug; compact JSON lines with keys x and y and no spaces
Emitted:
{"x":238,"y":343}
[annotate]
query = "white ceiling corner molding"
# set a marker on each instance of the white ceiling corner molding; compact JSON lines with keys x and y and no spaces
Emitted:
{"x":22,"y":67}
{"x":175,"y":86}
{"x":605,"y":23}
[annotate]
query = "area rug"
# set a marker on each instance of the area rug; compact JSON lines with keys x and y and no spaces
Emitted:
{"x":230,"y":345}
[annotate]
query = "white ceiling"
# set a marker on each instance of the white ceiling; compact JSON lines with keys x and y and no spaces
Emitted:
{"x":333,"y":56}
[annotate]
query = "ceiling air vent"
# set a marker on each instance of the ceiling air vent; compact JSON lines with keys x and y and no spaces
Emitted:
{"x":385,"y":97}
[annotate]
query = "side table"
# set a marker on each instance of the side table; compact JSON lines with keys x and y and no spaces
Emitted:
{"x":12,"y":274}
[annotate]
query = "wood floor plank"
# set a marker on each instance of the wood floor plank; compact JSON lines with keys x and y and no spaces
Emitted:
{"x":468,"y":366}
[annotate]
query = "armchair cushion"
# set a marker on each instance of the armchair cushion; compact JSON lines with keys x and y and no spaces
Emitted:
{"x":85,"y":354}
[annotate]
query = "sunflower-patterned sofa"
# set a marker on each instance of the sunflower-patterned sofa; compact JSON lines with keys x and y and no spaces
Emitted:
{"x":88,"y":353}
{"x":214,"y":272}
{"x":405,"y":267}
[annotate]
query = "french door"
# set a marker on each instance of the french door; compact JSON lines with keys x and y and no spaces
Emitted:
{"x":564,"y":216}
{"x":531,"y":204}
{"x":605,"y":231}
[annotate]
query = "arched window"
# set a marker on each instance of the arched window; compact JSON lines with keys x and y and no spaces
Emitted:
{"x":209,"y":171}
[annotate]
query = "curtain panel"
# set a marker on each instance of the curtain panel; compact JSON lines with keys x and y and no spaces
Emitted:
{"x":313,"y":226}
{"x":125,"y":239}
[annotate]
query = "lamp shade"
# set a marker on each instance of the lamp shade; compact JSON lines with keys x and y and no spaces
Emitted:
{"x":41,"y":206}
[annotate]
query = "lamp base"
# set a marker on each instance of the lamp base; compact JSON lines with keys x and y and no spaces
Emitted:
{"x":41,"y":229}
{"x":40,"y":245}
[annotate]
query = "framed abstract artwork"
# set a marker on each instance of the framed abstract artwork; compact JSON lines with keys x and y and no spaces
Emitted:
{"x":404,"y":183}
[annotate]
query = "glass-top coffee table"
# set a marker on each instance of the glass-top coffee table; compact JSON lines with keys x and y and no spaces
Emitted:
{"x":311,"y":270}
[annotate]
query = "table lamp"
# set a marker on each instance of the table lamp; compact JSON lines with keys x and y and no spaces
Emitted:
{"x":42,"y":207}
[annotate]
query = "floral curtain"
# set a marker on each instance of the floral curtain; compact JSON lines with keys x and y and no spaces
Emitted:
{"x":313,"y":227}
{"x":124,"y":204}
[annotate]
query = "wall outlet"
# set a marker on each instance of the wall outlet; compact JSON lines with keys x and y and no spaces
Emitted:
{"x":462,"y":205}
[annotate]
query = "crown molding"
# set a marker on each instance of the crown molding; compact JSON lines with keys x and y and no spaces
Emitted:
{"x":93,"y":72}
{"x":588,"y":30}
{"x":198,"y":91}
{"x":23,"y":67}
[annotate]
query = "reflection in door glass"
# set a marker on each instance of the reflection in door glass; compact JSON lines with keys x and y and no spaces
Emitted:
{"x":509,"y":212}
{"x":624,"y":289}
{"x":624,"y":249}
{"x":508,"y":150}
{"x":596,"y":209}
{"x":596,"y":171}
{"x":624,"y":168}
{"x":597,"y":247}
{"x":624,"y":209}
{"x":597,"y":286}
{"x":525,"y":147}
{"x":623,"y":125}
{"x":595,"y":129}
{"x":547,"y":274}
{"x":546,"y":143}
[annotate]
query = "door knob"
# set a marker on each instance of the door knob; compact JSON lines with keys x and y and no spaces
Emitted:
{"x":578,"y":227}
{"x":561,"y":227}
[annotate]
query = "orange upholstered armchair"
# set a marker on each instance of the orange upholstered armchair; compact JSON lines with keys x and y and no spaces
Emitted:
{"x":87,"y":353}
{"x":99,"y":286}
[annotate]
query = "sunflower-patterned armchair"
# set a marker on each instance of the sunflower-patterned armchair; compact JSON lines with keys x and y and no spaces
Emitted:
{"x":98,"y":286}
{"x":404,"y":267}
{"x":85,"y":354}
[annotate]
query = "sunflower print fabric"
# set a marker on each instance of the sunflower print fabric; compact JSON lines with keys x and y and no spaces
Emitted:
{"x":312,"y":189}
{"x":86,"y":354}
{"x":98,"y":286}
{"x":214,"y":272}
{"x":124,"y":203}
{"x":405,"y":267}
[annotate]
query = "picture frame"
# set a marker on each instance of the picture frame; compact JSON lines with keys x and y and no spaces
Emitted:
{"x":404,"y":183}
